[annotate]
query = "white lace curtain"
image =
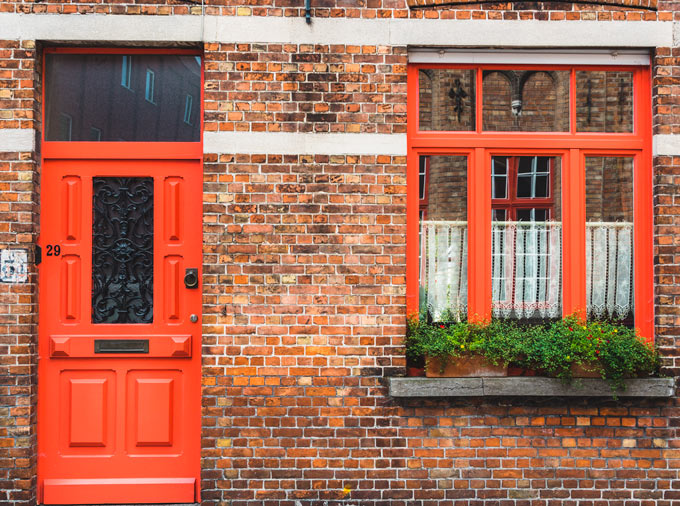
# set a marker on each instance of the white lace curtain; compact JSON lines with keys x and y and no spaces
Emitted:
{"x":609,"y":269}
{"x":527,"y":269}
{"x":443,"y":267}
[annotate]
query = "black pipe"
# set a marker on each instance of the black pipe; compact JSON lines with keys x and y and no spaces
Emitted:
{"x":308,"y":11}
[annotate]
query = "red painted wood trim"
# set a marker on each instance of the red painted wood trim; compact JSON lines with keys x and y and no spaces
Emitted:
{"x":117,"y":491}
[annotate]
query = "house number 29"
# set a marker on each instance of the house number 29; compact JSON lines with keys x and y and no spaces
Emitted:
{"x":53,"y":250}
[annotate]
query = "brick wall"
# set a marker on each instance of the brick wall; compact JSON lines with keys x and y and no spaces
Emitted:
{"x":19,"y":100}
{"x":304,"y":315}
{"x":304,"y":274}
{"x":373,"y":9}
{"x":305,"y":88}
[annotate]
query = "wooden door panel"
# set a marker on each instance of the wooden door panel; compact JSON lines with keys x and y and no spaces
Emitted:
{"x":71,"y":285}
{"x":173,"y":286}
{"x":88,"y":419}
{"x":73,"y":207}
{"x":173,"y":189}
{"x":154,"y":405}
{"x":126,"y":395}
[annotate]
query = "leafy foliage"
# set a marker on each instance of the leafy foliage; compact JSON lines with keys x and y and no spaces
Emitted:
{"x":615,"y":351}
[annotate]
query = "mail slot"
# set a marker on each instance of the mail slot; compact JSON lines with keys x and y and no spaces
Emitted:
{"x":121,"y":346}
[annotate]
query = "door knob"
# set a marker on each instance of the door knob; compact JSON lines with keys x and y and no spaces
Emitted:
{"x":193,"y":318}
{"x":191,"y":278}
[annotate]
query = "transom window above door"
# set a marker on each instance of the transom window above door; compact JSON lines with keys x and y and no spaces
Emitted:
{"x":529,"y":192}
{"x":122,"y":96}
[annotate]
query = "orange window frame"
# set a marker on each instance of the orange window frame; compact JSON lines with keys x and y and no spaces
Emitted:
{"x":573,"y":147}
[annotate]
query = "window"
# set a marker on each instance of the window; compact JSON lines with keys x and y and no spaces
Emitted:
{"x":149,"y":92}
{"x":95,"y":90}
{"x":188,"y":104}
{"x":126,"y":72}
{"x":530,"y":192}
{"x":65,"y":128}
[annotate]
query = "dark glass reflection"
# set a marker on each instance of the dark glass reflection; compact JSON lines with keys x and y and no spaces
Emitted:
{"x":105,"y":97}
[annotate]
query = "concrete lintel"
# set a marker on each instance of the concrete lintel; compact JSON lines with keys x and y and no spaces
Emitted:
{"x":300,"y":143}
{"x":396,"y":32}
{"x":527,"y":387}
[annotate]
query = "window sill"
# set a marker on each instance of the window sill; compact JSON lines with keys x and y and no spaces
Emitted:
{"x":527,"y":387}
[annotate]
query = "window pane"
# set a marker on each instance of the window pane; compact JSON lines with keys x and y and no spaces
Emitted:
{"x":498,"y":215}
{"x":123,"y":97}
{"x":446,"y":99}
{"x":609,"y":237}
{"x":527,"y":241}
{"x":541,"y":187}
{"x":499,"y":169}
{"x":443,"y":239}
{"x":525,"y":100}
{"x":499,"y":187}
{"x":604,"y":101}
{"x":524,"y":186}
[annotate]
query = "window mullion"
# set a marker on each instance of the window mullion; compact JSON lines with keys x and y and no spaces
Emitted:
{"x":479,"y":235}
{"x":573,"y":234}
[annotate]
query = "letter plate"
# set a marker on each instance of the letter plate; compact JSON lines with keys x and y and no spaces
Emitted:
{"x":121,"y":346}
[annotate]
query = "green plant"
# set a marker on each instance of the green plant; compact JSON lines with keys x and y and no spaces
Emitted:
{"x":615,"y":351}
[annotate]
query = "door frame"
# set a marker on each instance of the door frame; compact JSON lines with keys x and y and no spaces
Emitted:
{"x":104,"y":150}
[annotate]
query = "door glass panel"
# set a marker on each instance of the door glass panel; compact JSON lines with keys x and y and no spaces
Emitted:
{"x":443,"y":239}
{"x":609,"y":237}
{"x":604,"y":101}
{"x":122,"y":250}
{"x":446,"y":99}
{"x":113,"y":97}
{"x":525,"y":100}
{"x":527,"y":238}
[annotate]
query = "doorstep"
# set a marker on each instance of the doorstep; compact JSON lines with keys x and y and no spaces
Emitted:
{"x":527,"y":387}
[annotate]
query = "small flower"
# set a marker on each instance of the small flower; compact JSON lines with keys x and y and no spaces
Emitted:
{"x":568,"y":357}
{"x":462,"y":346}
{"x":616,"y":330}
{"x":571,"y":329}
{"x":441,"y":326}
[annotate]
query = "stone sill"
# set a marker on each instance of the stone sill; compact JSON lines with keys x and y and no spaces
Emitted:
{"x":527,"y":387}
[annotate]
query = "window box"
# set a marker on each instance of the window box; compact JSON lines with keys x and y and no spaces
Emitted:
{"x":466,"y":366}
{"x":528,"y":387}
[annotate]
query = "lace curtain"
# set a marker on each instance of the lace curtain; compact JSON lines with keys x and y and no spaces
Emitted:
{"x":526,"y":269}
{"x":443,"y":267}
{"x":609,"y":269}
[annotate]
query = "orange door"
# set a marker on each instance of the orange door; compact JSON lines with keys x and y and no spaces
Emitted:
{"x":119,"y":338}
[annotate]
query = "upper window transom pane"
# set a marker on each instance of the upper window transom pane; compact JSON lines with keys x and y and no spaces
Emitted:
{"x":446,"y":99}
{"x":604,"y":101}
{"x":135,"y":97}
{"x":525,"y":100}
